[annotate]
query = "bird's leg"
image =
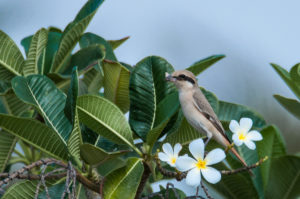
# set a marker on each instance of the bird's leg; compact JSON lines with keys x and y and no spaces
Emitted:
{"x":209,"y":136}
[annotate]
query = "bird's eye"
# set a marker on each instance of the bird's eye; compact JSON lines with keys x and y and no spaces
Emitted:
{"x":182,"y":75}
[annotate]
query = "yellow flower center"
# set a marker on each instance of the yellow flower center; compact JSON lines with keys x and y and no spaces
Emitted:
{"x":173,"y":160}
{"x":242,"y":136}
{"x":201,"y":164}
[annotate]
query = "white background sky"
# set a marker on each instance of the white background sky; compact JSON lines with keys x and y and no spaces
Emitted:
{"x":250,"y":33}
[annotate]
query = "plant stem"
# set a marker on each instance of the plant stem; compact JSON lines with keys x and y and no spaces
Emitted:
{"x":144,"y":179}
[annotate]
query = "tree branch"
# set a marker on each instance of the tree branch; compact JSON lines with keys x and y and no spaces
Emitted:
{"x":19,"y":174}
{"x":144,"y":179}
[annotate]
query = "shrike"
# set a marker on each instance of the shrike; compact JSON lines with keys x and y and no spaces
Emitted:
{"x":197,"y":109}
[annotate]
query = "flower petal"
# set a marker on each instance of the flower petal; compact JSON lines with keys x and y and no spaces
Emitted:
{"x":254,"y":135}
{"x":196,"y":148}
{"x":185,"y":163}
{"x":212,"y":175}
{"x":215,"y":156}
{"x":234,"y":126}
{"x":246,"y":123}
{"x":177,"y":149}
{"x":236,"y":140}
{"x":250,"y":144}
{"x":163,"y":157}
{"x":193,"y":177}
{"x":167,"y":148}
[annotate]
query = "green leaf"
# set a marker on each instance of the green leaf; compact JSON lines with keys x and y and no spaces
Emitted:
{"x":26,"y":43}
{"x":7,"y":145}
{"x":91,"y":82}
{"x":84,"y":57}
{"x":272,"y":146}
{"x":291,"y":105}
{"x":12,"y":104}
{"x":295,"y":74}
{"x":41,"y":92}
{"x":93,"y":155}
{"x":104,"y":118}
{"x":203,"y":64}
{"x":54,"y":38}
{"x":184,"y":135}
{"x":284,"y":181}
{"x":229,"y":111}
{"x":55,"y":191}
{"x":116,"y":84}
{"x":287,"y":79}
{"x":234,"y":187}
{"x":4,"y":87}
{"x":147,"y":89}
{"x":88,"y":39}
{"x":11,"y":58}
{"x":165,"y":110}
{"x":75,"y":139}
{"x":37,"y":46}
{"x":72,"y":33}
{"x":36,"y":134}
{"x":70,"y":105}
{"x":116,"y":43}
{"x":110,"y":165}
{"x":24,"y":189}
{"x":70,"y":110}
{"x":123,"y":183}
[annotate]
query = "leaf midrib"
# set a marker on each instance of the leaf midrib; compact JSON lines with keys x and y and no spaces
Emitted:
{"x":127,"y":173}
{"x":7,"y":67}
{"x":154,"y":97}
{"x":292,"y":185}
{"x":108,"y":127}
{"x":44,"y":114}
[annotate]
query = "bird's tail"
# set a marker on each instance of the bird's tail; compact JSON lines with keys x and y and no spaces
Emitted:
{"x":241,"y":159}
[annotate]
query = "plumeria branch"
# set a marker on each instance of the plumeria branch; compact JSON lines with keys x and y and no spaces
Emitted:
{"x":230,"y":172}
{"x":70,"y":172}
{"x":205,"y":191}
{"x":178,"y":175}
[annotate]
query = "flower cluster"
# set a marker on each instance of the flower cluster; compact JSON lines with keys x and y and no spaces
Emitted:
{"x":200,"y":164}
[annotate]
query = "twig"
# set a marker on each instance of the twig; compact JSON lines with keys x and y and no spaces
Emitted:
{"x":230,"y":172}
{"x":143,"y":182}
{"x":19,"y":174}
{"x":178,"y":175}
{"x":205,"y":191}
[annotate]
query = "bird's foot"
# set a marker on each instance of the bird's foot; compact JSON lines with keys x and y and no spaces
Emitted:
{"x":229,"y":147}
{"x":206,"y":142}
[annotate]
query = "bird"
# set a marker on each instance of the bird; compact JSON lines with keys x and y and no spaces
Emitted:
{"x":197,"y":110}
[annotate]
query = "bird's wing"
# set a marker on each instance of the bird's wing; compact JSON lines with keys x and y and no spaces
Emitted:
{"x":203,"y":106}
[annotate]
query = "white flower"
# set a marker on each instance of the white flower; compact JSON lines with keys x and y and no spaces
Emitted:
{"x":242,"y":134}
{"x":200,"y":165}
{"x":169,"y":155}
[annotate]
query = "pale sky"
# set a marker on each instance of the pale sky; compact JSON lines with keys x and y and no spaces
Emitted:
{"x":250,"y":33}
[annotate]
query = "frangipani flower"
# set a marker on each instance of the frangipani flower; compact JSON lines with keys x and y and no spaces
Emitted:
{"x":242,"y":134}
{"x":169,"y":155}
{"x":200,"y":165}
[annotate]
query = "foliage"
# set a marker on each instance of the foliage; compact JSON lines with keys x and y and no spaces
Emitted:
{"x":52,"y":105}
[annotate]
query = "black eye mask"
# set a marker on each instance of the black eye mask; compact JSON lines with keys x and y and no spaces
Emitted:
{"x":183,"y":77}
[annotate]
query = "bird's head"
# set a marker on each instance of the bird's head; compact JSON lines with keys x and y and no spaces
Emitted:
{"x":182,"y":79}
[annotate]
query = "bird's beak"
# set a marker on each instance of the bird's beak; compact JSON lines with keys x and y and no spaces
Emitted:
{"x":170,"y":78}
